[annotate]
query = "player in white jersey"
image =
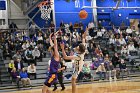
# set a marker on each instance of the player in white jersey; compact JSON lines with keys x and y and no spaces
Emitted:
{"x":78,"y":60}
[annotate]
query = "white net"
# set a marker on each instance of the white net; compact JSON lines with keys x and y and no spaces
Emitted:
{"x":45,"y":12}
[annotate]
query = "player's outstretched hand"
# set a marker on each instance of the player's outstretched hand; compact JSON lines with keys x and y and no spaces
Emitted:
{"x":62,"y":45}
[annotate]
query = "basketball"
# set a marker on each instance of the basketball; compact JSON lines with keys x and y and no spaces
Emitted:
{"x":83,"y":14}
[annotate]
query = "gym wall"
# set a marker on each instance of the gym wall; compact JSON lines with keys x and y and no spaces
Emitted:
{"x":67,"y":12}
{"x":109,"y":15}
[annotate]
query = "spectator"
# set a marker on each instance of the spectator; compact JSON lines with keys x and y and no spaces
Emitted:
{"x":115,"y":60}
{"x":101,"y":71}
{"x":123,"y":68}
{"x":99,"y":34}
{"x":86,"y":71}
{"x":11,"y":66}
{"x":7,"y":53}
{"x":52,"y":26}
{"x":96,"y":63}
{"x":32,"y":70}
{"x":17,"y":56}
{"x":129,"y":31}
{"x":18,"y":65}
{"x":110,"y":70}
{"x":1,"y":54}
{"x":105,"y":51}
{"x":36,"y":54}
{"x":28,"y":56}
{"x":131,"y":48}
{"x":32,"y":30}
{"x":71,"y":27}
{"x":40,"y":38}
{"x":122,"y":41}
{"x":15,"y":76}
{"x":13,"y":27}
{"x":124,"y":50}
{"x":24,"y":78}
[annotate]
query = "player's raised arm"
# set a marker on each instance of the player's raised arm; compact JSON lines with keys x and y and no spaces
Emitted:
{"x":56,"y":47}
{"x":65,"y":55}
{"x":84,"y":35}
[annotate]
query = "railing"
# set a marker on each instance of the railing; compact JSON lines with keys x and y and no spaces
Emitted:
{"x":29,"y":5}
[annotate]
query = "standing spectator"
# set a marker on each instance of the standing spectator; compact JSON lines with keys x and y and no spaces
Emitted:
{"x":13,"y":27}
{"x":32,"y":71}
{"x":32,"y":30}
{"x":71,"y":27}
{"x":24,"y":78}
{"x":52,"y":27}
{"x":62,"y":26}
{"x":115,"y":60}
{"x":11,"y":66}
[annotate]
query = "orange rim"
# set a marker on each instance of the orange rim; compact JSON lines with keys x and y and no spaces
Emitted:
{"x":45,"y":3}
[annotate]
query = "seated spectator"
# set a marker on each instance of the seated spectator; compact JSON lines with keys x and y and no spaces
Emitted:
{"x":96,"y":63}
{"x":105,"y":51}
{"x":110,"y":69}
{"x":123,"y":68}
{"x":100,"y":58}
{"x":18,"y":65}
{"x":32,"y":43}
{"x":11,"y":66}
{"x":99,"y":34}
{"x":32,"y":70}
{"x":124,"y":50}
{"x":131,"y":48}
{"x":36,"y":54}
{"x":7,"y":53}
{"x":101,"y":71}
{"x":15,"y":76}
{"x":40,"y":38}
{"x":103,"y":30}
{"x":24,"y":47}
{"x":24,"y":78}
{"x":129,"y":31}
{"x":17,"y":56}
{"x":28,"y":56}
{"x":122,"y":41}
{"x":86,"y":71}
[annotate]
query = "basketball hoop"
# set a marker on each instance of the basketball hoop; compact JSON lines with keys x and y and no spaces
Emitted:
{"x":45,"y":8}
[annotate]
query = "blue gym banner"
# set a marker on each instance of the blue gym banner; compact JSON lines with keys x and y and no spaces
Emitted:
{"x":2,"y":5}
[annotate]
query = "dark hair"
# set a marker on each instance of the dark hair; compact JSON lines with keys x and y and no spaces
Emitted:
{"x":82,"y":48}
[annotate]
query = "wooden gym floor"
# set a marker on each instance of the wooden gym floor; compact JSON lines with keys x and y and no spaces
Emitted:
{"x":100,"y":87}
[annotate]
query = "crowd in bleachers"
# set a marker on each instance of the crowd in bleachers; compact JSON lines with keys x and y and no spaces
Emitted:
{"x":21,"y":47}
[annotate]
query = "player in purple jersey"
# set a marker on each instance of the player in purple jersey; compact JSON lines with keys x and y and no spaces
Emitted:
{"x":54,"y":65}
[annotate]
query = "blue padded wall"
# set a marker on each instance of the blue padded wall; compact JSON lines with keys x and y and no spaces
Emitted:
{"x":126,"y":14}
{"x":67,"y":12}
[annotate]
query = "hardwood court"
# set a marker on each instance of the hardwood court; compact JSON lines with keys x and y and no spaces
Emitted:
{"x":106,"y":87}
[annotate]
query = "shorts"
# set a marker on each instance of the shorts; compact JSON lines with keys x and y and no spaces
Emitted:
{"x":52,"y":78}
{"x":75,"y":74}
